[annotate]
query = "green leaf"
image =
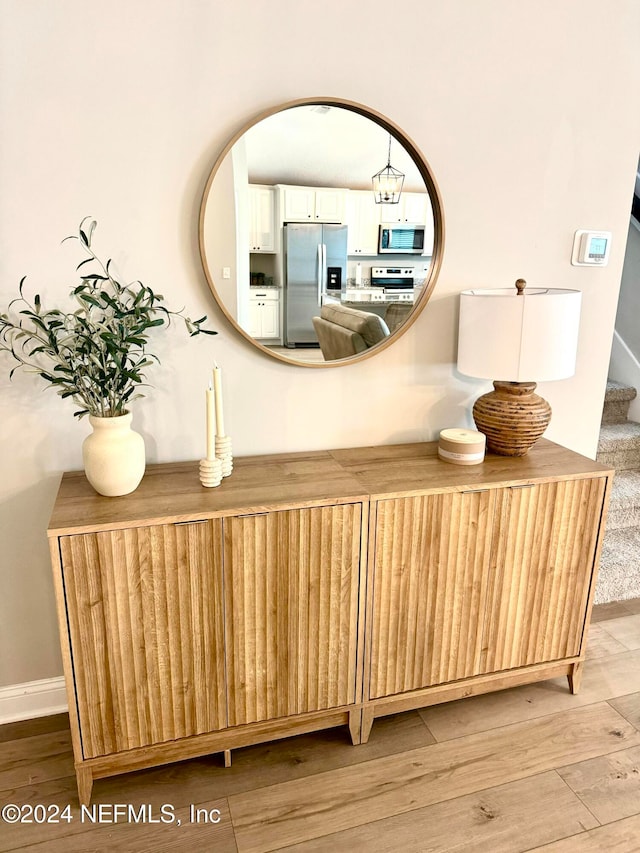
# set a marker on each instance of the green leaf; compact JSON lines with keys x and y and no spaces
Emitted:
{"x":109,"y":300}
{"x":92,"y":227}
{"x":91,"y":300}
{"x":86,"y":236}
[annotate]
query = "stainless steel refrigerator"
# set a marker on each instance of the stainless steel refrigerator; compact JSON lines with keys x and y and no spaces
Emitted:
{"x":315,"y":263}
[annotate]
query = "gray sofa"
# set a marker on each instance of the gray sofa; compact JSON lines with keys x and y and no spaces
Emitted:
{"x":343,"y":331}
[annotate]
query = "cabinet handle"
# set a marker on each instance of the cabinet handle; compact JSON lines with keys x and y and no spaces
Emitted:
{"x":195,"y":521}
{"x":474,"y":491}
{"x":523,"y":486}
{"x":251,"y":514}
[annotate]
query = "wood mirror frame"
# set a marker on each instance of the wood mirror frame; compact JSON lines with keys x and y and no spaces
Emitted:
{"x":438,"y":228}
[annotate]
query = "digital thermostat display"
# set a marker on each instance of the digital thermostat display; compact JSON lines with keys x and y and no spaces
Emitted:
{"x":597,"y":247}
{"x":591,"y":248}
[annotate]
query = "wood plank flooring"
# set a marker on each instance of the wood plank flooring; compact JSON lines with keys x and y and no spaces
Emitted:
{"x":529,"y":769}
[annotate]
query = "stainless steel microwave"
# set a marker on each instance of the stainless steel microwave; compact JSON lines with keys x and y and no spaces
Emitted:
{"x":401,"y":239}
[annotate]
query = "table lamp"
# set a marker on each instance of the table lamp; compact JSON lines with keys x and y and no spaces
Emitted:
{"x":522,"y":338}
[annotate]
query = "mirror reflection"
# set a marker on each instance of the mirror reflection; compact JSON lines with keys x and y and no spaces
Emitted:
{"x":309,"y":257}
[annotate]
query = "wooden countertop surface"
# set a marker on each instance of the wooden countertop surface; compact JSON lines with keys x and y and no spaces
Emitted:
{"x":172,"y":492}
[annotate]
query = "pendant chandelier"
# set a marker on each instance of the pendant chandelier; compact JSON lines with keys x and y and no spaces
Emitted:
{"x":387,"y":183}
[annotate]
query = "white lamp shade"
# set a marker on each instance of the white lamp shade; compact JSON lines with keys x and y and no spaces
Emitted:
{"x":531,"y":337}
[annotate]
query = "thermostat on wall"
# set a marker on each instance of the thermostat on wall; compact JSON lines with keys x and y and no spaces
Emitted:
{"x":591,"y":248}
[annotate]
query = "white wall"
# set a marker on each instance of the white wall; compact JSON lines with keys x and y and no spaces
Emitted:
{"x":628,"y":314}
{"x":219,"y":230}
{"x":527,"y":113}
{"x":624,"y":365}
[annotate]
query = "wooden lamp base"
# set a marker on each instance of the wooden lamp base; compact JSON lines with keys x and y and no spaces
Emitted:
{"x":512,"y":417}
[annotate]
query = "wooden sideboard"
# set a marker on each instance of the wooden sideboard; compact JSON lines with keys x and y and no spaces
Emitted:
{"x":313,"y":590}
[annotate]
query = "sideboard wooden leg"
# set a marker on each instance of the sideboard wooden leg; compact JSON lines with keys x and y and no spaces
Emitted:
{"x":367,"y":723}
{"x":84,"y":779}
{"x":355,"y":725}
{"x":575,"y":677}
{"x":227,"y":758}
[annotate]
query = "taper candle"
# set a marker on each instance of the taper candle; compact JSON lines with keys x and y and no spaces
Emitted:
{"x":217,"y":388}
{"x":211,"y":437}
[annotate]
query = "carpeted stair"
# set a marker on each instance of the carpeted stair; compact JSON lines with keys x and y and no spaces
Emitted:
{"x":619,"y":447}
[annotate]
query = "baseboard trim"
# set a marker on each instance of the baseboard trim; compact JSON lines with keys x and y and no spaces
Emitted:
{"x":32,"y":699}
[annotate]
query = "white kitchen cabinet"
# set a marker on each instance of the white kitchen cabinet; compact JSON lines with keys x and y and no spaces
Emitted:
{"x":307,"y":204}
{"x":264,"y":313}
{"x":262,"y":224}
{"x":363,"y":219}
{"x":330,"y":205}
{"x":299,"y":204}
{"x":412,"y":207}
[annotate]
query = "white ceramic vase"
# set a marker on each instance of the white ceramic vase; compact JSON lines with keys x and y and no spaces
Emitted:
{"x":113,"y":456}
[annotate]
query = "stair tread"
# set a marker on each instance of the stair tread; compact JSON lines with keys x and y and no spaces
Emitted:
{"x":619,"y":391}
{"x":618,"y":435}
{"x":617,"y":539}
{"x":619,"y":446}
{"x":624,"y":506}
{"x":626,"y":486}
{"x":619,"y":576}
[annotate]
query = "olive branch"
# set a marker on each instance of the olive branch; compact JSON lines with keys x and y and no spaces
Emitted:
{"x":96,"y":354}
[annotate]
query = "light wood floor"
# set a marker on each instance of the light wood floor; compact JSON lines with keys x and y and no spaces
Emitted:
{"x":533,"y":768}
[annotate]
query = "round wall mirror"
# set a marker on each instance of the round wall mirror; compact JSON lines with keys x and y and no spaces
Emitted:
{"x":321,"y":232}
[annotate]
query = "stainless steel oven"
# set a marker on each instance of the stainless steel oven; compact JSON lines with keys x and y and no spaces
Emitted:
{"x":396,"y":282}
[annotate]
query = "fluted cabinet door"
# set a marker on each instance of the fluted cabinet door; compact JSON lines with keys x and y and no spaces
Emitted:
{"x":145,"y":616}
{"x":541,"y":571}
{"x":430,"y":588}
{"x":291,"y":596}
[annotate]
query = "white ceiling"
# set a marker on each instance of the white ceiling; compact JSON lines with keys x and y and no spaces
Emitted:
{"x":334,"y":147}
